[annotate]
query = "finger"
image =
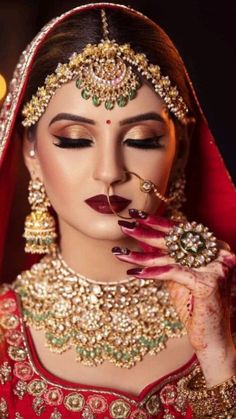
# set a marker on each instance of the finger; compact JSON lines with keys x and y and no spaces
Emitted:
{"x":200,"y":284}
{"x":144,"y":234}
{"x":173,"y":272}
{"x":155,"y":221}
{"x":157,"y":258}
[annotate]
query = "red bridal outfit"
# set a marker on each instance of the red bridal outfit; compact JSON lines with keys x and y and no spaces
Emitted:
{"x":27,"y":389}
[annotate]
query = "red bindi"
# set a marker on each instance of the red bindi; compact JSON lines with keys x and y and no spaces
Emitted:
{"x":108,"y":121}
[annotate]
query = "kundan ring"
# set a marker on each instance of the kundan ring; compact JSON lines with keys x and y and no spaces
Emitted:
{"x":191,"y":244}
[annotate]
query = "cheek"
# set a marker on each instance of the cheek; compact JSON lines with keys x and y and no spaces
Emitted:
{"x":63,"y":171}
{"x":154,"y":165}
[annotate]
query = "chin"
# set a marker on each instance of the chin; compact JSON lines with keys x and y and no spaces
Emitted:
{"x":103,"y":229}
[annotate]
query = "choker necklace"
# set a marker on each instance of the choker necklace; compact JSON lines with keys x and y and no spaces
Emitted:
{"x":119,"y":322}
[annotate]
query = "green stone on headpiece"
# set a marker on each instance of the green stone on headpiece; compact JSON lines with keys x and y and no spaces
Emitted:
{"x":109,"y":104}
{"x":85,"y":94}
{"x":132,"y":94}
{"x":78,"y":83}
{"x":122,"y":101}
{"x":96,"y":100}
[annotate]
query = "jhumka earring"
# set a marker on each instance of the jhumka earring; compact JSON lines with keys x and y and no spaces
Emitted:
{"x":40,"y":229}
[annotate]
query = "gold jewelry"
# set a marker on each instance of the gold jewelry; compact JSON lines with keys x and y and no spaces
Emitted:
{"x":191,"y":244}
{"x":39,"y":231}
{"x":118,"y":322}
{"x":146,"y":186}
{"x":177,"y":190}
{"x":105,"y":72}
{"x":218,"y":400}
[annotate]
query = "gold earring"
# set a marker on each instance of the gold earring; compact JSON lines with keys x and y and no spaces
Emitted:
{"x":40,"y":228}
{"x":177,"y":193}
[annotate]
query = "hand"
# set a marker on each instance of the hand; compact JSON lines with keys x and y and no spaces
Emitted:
{"x":200,"y":295}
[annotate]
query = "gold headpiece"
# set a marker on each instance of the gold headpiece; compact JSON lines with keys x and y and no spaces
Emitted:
{"x":104,"y":72}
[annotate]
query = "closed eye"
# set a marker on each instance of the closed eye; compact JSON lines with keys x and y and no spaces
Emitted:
{"x":146,"y":143}
{"x":65,"y":142}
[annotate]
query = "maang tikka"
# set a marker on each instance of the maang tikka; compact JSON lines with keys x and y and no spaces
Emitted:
{"x":40,"y":228}
{"x":108,"y":73}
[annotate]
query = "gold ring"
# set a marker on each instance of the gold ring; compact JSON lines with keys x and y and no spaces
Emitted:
{"x":191,"y":244}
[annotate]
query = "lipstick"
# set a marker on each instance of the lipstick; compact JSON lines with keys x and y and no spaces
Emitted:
{"x":100,"y":203}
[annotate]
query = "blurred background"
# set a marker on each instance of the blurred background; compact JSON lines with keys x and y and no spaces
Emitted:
{"x":203,"y":32}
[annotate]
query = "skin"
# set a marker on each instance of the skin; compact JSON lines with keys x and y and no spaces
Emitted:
{"x":72,"y":175}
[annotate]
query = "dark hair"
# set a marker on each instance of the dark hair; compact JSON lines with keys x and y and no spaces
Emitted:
{"x":125,"y":26}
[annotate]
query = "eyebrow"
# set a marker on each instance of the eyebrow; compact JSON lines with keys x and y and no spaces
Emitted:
{"x":138,"y":118}
{"x":71,"y":117}
{"x":143,"y":117}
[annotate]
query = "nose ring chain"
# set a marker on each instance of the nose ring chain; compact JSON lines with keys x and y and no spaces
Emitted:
{"x":146,"y":186}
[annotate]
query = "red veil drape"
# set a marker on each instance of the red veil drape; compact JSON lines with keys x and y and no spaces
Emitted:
{"x":211,"y":197}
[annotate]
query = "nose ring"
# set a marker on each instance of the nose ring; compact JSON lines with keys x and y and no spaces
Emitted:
{"x":146,"y":186}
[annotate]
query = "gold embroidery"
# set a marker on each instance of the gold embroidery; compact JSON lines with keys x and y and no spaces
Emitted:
{"x":153,"y":405}
{"x":20,"y":389}
{"x":98,"y":404}
{"x":74,"y":402}
{"x":23,"y":371}
{"x":87,"y":413}
{"x":119,"y":409}
{"x":36,"y":387}
{"x":8,"y":305}
{"x":168,"y":415}
{"x":5,"y":372}
{"x":38,"y":405}
{"x":54,"y":396}
{"x":16,"y":353}
{"x":55,"y":414}
{"x":3,"y":408}
{"x":139,"y":414}
{"x":9,"y":321}
{"x":168,"y":394}
{"x":13,"y":337}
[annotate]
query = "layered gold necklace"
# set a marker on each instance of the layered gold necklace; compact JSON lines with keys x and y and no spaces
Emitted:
{"x":118,"y":322}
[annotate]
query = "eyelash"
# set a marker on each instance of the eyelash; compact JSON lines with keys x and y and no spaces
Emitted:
{"x":147,"y":143}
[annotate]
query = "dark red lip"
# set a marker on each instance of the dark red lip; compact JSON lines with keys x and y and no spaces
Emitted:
{"x":100,"y":203}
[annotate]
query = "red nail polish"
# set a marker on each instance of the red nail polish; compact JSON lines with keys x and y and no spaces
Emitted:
{"x":138,"y":213}
{"x":120,"y":251}
{"x":126,"y":224}
{"x":135,"y":271}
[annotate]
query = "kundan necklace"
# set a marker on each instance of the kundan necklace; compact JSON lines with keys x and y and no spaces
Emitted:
{"x":119,"y":322}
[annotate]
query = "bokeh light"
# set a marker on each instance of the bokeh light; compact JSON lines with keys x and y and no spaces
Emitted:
{"x":3,"y":87}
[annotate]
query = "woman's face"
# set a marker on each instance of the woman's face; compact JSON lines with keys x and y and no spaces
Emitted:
{"x":81,"y":150}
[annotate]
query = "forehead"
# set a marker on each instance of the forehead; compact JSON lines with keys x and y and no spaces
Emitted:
{"x":68,"y":99}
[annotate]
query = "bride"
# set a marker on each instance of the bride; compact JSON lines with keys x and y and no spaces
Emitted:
{"x":128,"y":313}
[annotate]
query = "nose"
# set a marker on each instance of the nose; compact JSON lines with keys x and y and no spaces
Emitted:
{"x":109,"y":167}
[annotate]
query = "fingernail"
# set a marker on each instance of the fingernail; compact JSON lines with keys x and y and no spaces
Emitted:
{"x":126,"y":224}
{"x":120,"y":251}
{"x":134,"y":271}
{"x":138,"y":213}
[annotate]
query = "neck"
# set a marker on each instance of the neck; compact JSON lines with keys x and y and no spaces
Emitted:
{"x":93,"y":257}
